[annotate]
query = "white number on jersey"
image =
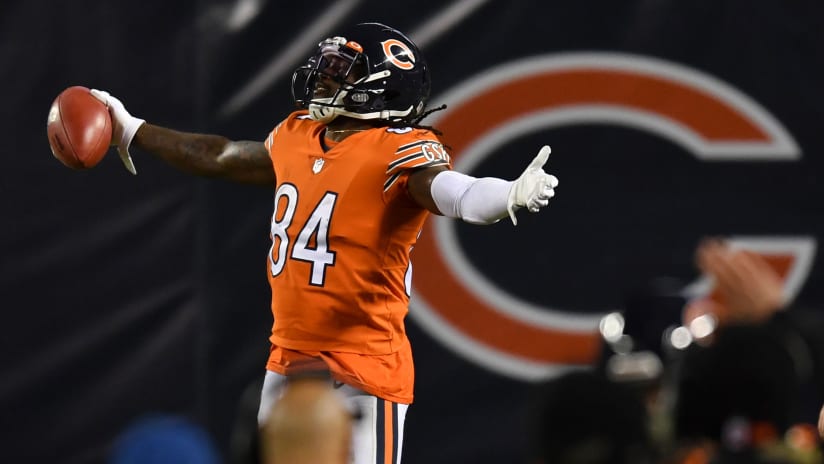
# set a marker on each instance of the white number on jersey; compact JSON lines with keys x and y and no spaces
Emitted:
{"x":312,"y":242}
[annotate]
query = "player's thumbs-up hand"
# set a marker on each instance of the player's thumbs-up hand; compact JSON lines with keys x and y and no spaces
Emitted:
{"x":533,"y":188}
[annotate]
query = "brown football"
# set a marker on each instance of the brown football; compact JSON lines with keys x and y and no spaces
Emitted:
{"x":79,"y":128}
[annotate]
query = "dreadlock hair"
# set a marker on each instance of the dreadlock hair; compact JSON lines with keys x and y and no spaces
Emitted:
{"x":416,"y":121}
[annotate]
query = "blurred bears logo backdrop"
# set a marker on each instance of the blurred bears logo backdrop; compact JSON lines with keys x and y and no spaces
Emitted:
{"x":709,"y":119}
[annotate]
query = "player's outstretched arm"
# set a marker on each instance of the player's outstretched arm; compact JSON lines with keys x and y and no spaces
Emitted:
{"x":484,"y":200}
{"x":208,"y":155}
{"x":199,"y":154}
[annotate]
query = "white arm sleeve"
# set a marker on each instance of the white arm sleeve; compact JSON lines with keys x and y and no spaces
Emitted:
{"x":474,"y":200}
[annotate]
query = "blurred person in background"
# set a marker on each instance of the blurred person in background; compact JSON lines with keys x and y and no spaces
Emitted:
{"x":355,"y":175}
{"x":308,"y":424}
{"x":164,"y":439}
{"x":641,"y":350}
{"x":749,"y":391}
{"x":735,"y":378}
{"x":582,"y":417}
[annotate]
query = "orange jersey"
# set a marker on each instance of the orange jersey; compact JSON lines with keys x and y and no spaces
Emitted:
{"x":339,"y":266}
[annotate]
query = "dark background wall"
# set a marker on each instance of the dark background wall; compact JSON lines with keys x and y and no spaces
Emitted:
{"x":123,"y":295}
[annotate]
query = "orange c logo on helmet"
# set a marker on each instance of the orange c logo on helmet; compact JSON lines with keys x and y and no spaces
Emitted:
{"x":399,"y":54}
{"x":710,"y":119}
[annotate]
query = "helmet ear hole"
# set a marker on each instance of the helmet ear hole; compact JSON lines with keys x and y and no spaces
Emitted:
{"x":359,"y":98}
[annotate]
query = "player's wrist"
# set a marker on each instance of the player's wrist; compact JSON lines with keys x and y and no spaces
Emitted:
{"x":129,"y":127}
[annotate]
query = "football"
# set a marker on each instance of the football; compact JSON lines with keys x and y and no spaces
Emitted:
{"x":79,"y":128}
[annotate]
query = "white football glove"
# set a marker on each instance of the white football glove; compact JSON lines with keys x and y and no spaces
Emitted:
{"x":533,"y":188}
{"x":124,"y":126}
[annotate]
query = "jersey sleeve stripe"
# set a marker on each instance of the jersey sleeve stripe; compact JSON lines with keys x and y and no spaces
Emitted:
{"x":394,"y":177}
{"x":413,"y":161}
{"x":411,"y":145}
{"x":401,"y":161}
{"x":391,"y":181}
{"x":415,"y":144}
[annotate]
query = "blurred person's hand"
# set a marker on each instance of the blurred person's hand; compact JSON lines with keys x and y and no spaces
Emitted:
{"x":749,"y":289}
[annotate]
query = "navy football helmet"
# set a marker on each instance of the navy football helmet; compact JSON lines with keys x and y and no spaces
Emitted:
{"x":380,"y":74}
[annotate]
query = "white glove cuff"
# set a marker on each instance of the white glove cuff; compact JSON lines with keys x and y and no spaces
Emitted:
{"x":474,"y":200}
{"x":130,"y":128}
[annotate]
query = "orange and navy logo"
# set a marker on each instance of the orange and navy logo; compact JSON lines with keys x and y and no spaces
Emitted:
{"x":708,"y":118}
{"x":399,"y":54}
{"x":354,"y":46}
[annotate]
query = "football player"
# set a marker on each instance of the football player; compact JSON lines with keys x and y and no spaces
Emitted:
{"x":355,"y":176}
